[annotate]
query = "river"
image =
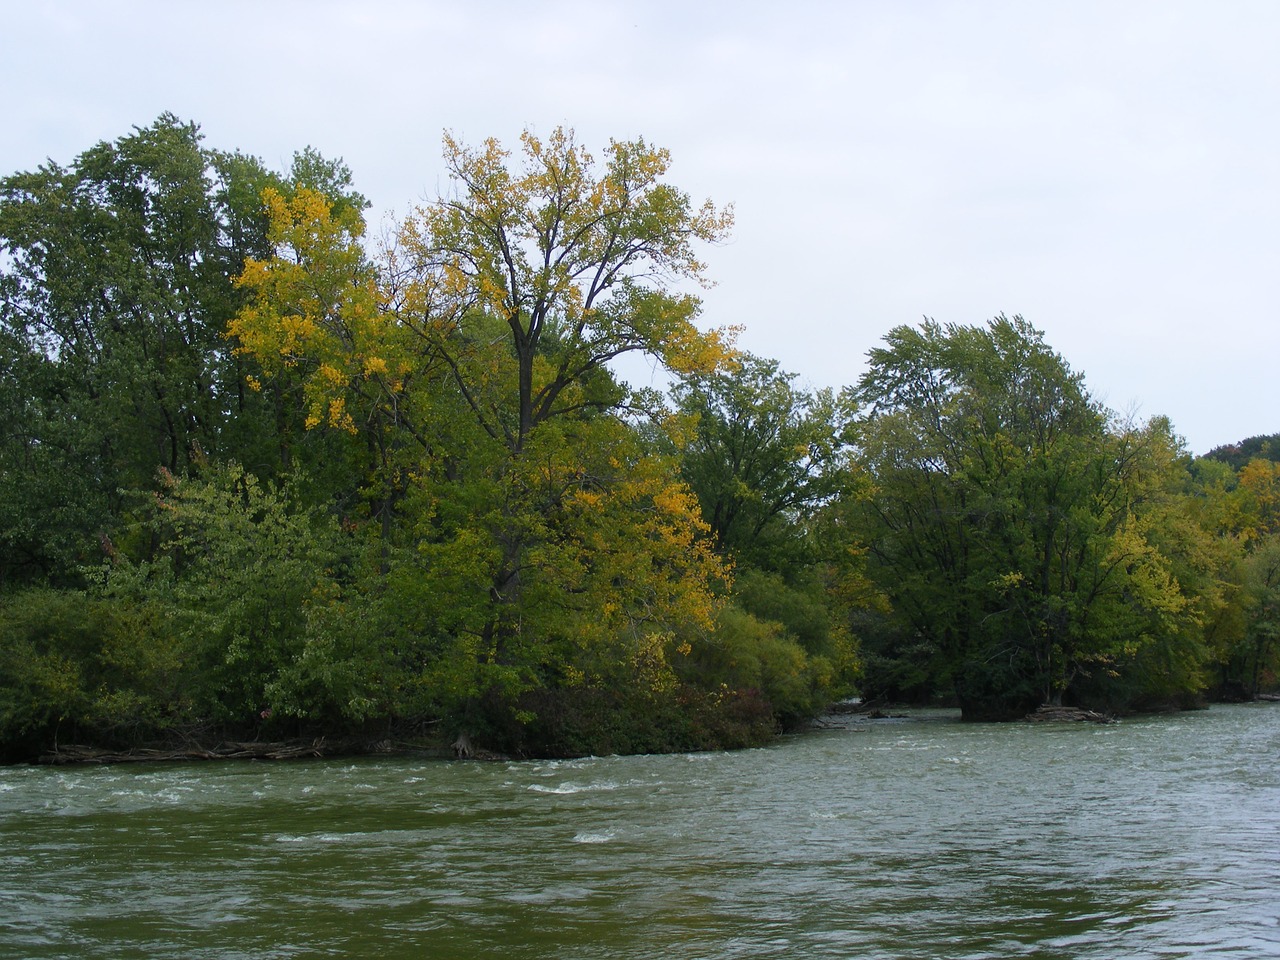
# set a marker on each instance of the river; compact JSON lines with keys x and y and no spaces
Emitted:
{"x":908,"y":838}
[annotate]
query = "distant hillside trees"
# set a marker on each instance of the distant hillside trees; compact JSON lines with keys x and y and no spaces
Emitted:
{"x":1238,"y":455}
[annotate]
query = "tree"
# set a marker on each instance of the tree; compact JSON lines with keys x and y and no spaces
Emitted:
{"x":539,"y":541}
{"x":1241,"y":507}
{"x":576,"y":262}
{"x":1236,"y":455}
{"x":1006,"y":524}
{"x":116,"y":290}
{"x":237,"y":564}
{"x":1257,"y":657}
{"x":763,"y":458}
{"x":770,"y":463}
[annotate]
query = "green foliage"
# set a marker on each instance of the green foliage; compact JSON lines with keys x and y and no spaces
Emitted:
{"x":1238,"y":509}
{"x":1012,"y":523}
{"x":1236,"y":455}
{"x":70,"y":662}
{"x":1256,"y":658}
{"x":612,"y":720}
{"x":235,"y":566}
{"x":116,"y":290}
{"x":42,"y":643}
{"x":763,"y":458}
{"x":899,"y":665}
{"x":748,"y":654}
{"x":771,"y":467}
{"x":576,"y":259}
{"x":258,"y":480}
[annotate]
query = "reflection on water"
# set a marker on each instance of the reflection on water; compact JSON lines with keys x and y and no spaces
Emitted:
{"x":919,"y":838}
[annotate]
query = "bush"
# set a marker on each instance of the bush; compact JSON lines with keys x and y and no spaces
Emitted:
{"x":71,"y":663}
{"x":597,"y":721}
{"x":748,"y":654}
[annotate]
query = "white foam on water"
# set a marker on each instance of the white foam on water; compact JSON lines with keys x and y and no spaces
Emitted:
{"x":571,"y":788}
{"x":587,"y":837}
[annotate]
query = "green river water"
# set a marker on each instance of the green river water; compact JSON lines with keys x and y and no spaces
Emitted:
{"x":919,"y":837}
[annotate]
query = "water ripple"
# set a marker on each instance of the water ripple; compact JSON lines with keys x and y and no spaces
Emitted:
{"x":920,"y":838}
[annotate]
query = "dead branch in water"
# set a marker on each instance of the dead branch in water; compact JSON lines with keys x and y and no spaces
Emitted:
{"x":1048,"y":713}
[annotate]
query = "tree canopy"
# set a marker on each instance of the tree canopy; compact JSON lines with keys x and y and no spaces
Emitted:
{"x":467,"y":519}
{"x":1012,"y":519}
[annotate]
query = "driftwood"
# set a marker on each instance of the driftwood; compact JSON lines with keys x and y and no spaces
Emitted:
{"x":868,"y":708}
{"x":1049,"y":713}
{"x":464,"y":749}
{"x":846,"y":707}
{"x":253,"y":750}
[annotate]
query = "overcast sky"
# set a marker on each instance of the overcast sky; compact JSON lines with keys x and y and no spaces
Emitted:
{"x":1109,"y":170}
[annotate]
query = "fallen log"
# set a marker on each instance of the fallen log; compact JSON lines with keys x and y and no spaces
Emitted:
{"x":253,"y":750}
{"x":870,"y":708}
{"x":1052,"y":713}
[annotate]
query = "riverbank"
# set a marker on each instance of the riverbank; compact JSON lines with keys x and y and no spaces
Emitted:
{"x":317,"y":748}
{"x":438,"y":748}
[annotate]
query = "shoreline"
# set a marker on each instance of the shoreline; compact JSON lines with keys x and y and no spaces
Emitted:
{"x":325,"y":748}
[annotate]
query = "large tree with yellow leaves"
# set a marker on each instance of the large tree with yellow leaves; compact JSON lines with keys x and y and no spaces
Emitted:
{"x":577,"y":260}
{"x":548,"y":544}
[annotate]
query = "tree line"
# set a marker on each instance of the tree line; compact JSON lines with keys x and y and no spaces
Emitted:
{"x":264,"y":476}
